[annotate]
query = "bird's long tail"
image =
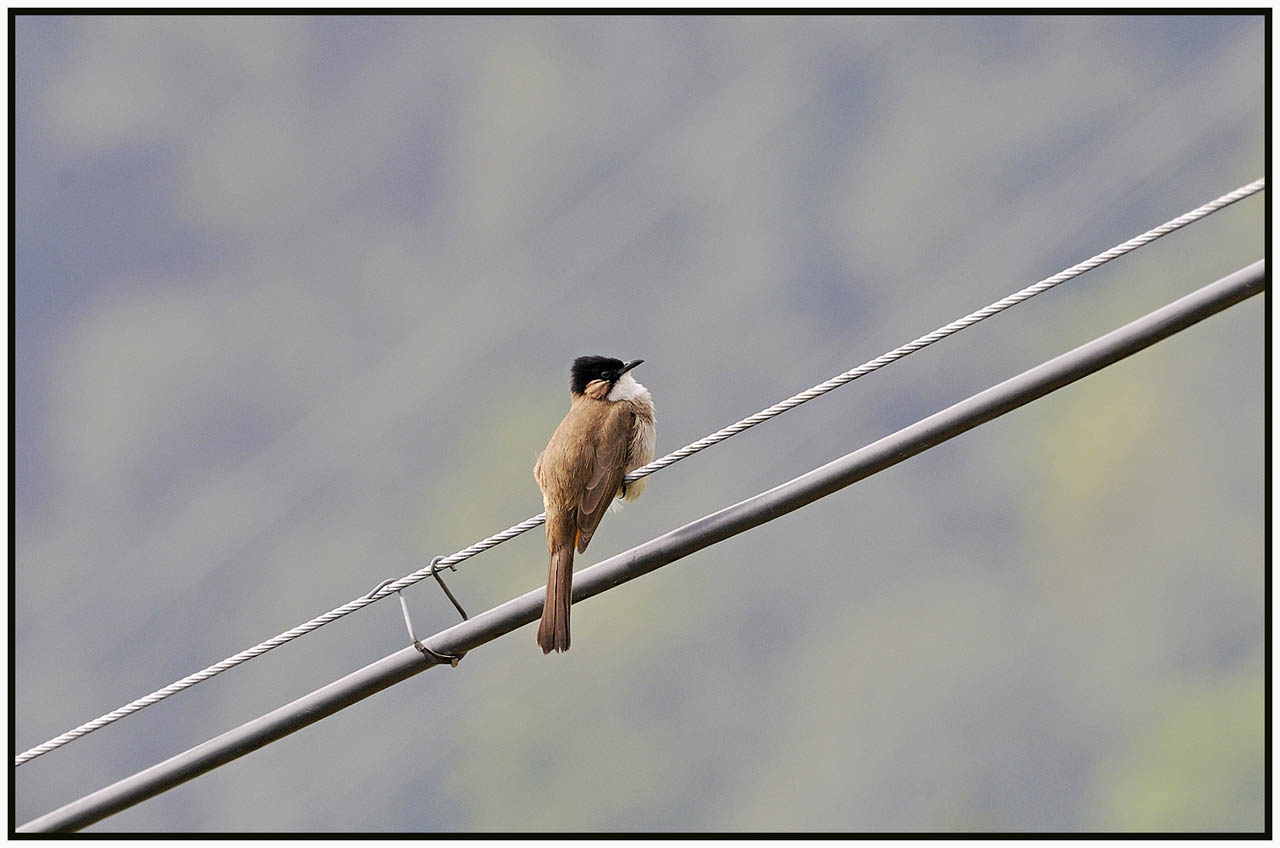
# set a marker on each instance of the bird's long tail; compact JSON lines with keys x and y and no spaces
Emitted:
{"x":553,"y":631}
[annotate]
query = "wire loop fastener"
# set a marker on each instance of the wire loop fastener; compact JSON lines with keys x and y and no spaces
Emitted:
{"x":435,"y":572}
{"x":439,"y":658}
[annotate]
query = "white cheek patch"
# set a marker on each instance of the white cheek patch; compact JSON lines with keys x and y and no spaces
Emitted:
{"x":626,"y":389}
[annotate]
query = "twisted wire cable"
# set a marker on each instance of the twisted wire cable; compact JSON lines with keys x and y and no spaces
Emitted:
{"x":949,"y":329}
{"x":670,"y":459}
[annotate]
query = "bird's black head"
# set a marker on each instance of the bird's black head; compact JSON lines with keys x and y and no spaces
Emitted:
{"x":587,"y":369}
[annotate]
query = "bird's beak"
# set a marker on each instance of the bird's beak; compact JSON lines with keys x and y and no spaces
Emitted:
{"x":628,"y":366}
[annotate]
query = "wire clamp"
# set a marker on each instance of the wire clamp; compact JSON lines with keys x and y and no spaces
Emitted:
{"x":441,"y":659}
{"x":435,"y":572}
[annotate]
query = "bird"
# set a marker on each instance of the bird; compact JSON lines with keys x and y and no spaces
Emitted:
{"x":608,"y":431}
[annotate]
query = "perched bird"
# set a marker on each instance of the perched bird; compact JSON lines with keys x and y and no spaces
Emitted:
{"x":608,"y":431}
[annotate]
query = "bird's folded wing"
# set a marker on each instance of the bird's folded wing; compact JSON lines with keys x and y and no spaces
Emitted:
{"x":607,"y":469}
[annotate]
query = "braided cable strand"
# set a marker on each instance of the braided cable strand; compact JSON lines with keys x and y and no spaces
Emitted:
{"x":949,"y":329}
{"x":276,"y":641}
{"x":670,"y":459}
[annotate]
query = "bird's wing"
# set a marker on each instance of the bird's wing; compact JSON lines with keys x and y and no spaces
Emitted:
{"x":607,"y":469}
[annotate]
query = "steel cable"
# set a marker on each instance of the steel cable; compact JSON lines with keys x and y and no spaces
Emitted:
{"x":827,"y":479}
{"x":670,"y":459}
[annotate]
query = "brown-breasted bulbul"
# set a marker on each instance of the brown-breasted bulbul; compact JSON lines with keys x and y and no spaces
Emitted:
{"x":608,"y":431}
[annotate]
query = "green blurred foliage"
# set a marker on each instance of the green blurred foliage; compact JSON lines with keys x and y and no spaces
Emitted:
{"x":1196,"y":766}
{"x":295,"y":299}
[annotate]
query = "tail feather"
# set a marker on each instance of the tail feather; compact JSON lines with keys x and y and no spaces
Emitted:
{"x":553,"y":630}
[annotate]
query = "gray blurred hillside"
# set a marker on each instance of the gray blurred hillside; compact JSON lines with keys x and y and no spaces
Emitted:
{"x":295,"y":301}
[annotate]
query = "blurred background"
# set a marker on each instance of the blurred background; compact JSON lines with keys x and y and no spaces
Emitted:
{"x":295,"y":303}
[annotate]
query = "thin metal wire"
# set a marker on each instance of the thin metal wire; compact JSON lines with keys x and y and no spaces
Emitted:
{"x":949,"y":329}
{"x":671,"y":458}
{"x":609,"y":574}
